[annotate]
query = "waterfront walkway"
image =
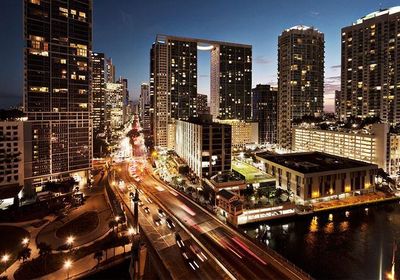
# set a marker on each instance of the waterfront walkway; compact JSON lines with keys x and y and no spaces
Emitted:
{"x":374,"y":197}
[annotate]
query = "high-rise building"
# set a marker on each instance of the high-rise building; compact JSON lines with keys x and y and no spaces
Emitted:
{"x":110,"y":71}
{"x":204,"y":145}
{"x":370,"y":68}
{"x":125,"y":98}
{"x":300,"y":78}
{"x":173,"y":82}
{"x":264,"y":104}
{"x":98,"y":92}
{"x":338,"y":96}
{"x":231,"y":66}
{"x":144,"y":108}
{"x":115,"y":98}
{"x":202,"y":104}
{"x":57,"y":89}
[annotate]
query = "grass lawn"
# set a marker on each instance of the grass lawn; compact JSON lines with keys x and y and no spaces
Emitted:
{"x":251,"y":173}
{"x":81,"y":225}
{"x":10,"y":243}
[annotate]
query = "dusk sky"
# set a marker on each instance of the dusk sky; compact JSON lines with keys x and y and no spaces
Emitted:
{"x":125,"y":30}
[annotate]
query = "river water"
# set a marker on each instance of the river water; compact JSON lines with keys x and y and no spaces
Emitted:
{"x":357,"y":244}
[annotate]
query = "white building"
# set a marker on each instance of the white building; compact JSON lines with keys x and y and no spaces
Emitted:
{"x":374,"y":145}
{"x":205,"y":146}
{"x":313,"y":176}
{"x":115,"y":97}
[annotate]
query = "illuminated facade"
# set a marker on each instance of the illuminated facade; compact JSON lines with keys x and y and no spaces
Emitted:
{"x":205,"y":146}
{"x":265,"y":106}
{"x":144,"y":108}
{"x":98,"y":92}
{"x":173,"y":82}
{"x":300,"y":78}
{"x":115,"y":97}
{"x":375,"y":145}
{"x":243,"y":133}
{"x":370,"y":74}
{"x":11,"y":160}
{"x":57,"y":88}
{"x":202,"y":104}
{"x":312,"y":176}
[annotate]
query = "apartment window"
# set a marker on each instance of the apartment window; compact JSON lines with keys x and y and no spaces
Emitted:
{"x":63,"y":12}
{"x":36,"y":2}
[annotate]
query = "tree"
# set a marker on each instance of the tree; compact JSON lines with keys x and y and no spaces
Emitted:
{"x":112,"y":224}
{"x":98,"y":256}
{"x":44,"y":252}
{"x":24,"y":254}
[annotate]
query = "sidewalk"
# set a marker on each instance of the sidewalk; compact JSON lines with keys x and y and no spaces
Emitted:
{"x":33,"y":232}
{"x":85,"y":264}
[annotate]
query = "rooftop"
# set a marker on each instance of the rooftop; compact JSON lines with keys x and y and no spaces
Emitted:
{"x":381,"y":12}
{"x":203,"y":44}
{"x":301,"y":27}
{"x":313,"y":162}
{"x":251,"y":173}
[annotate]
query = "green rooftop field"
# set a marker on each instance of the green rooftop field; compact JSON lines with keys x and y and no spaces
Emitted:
{"x":251,"y":173}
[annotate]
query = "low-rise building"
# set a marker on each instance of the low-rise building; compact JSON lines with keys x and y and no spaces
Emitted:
{"x":243,"y":133}
{"x":374,"y":144}
{"x":204,"y":145}
{"x":312,"y":176}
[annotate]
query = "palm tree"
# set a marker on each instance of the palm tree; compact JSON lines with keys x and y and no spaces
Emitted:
{"x":98,"y":256}
{"x":24,"y":254}
{"x":112,"y":224}
{"x":44,"y":252}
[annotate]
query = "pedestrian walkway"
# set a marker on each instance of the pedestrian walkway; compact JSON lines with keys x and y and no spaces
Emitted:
{"x":85,"y":265}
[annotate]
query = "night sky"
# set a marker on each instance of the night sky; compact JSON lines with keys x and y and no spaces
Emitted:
{"x":125,"y":30}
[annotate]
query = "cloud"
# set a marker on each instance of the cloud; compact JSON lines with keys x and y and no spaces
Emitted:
{"x":314,"y":13}
{"x":204,"y":76}
{"x":335,"y":66}
{"x":262,"y":60}
{"x":332,"y":83}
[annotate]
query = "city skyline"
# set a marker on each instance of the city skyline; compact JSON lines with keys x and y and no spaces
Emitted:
{"x":134,"y":32}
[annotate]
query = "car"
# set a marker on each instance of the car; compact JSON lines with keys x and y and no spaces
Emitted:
{"x":196,"y":250}
{"x":179,"y":240}
{"x":157,"y":220}
{"x":170,"y":223}
{"x":146,"y":210}
{"x":192,"y":263}
{"x":140,"y":203}
{"x":149,"y":200}
{"x":161,"y":213}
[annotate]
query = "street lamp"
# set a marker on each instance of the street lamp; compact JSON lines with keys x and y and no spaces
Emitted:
{"x":25,"y":241}
{"x":67,"y":266}
{"x":4,"y":259}
{"x":70,"y":241}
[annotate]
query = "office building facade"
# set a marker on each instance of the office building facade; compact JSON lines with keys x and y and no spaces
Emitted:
{"x":98,"y":92}
{"x":314,"y":176}
{"x":57,"y":89}
{"x":370,"y":74}
{"x":202,"y":104}
{"x":173,"y":82}
{"x":205,"y":146}
{"x":144,"y":108}
{"x":264,"y":111}
{"x":300,"y":78}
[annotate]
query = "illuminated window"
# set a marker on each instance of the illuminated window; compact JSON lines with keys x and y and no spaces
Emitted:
{"x":82,"y":77}
{"x":63,"y":61}
{"x":37,"y":2}
{"x":63,"y":11}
